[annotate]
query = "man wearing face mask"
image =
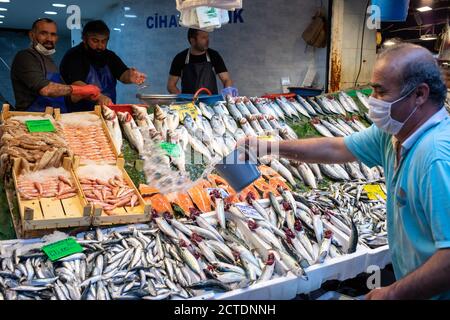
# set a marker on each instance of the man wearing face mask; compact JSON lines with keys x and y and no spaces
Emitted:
{"x":410,"y":138}
{"x":92,"y":63}
{"x":35,"y":77}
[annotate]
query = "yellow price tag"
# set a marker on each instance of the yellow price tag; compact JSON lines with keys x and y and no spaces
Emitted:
{"x":184,"y":109}
{"x":266,"y":138}
{"x":373,"y":190}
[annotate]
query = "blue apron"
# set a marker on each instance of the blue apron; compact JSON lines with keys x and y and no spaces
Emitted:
{"x":42,"y":102}
{"x":103,"y":78}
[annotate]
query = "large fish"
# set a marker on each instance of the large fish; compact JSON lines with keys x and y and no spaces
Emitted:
{"x":217,"y":125}
{"x":131,"y":131}
{"x":112,"y":122}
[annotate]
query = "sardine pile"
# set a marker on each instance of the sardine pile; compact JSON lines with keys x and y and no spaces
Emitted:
{"x":231,"y":248}
{"x":38,"y":150}
{"x":347,"y":205}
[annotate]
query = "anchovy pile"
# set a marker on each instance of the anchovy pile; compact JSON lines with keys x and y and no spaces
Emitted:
{"x":347,"y":206}
{"x":234,"y":247}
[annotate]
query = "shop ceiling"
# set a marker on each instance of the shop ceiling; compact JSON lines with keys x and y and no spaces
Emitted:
{"x":20,"y":14}
{"x":422,"y":25}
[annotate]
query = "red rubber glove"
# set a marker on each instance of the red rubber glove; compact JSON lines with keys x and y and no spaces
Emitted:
{"x":89,"y":91}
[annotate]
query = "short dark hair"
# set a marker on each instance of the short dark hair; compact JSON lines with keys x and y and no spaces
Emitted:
{"x":420,"y":71}
{"x":192,"y":34}
{"x":96,"y":27}
{"x":46,"y":20}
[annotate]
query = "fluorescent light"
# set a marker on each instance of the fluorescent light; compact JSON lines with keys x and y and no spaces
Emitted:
{"x":1,"y":22}
{"x":424,"y":9}
{"x":428,"y":37}
{"x":3,"y":9}
{"x":5,"y":1}
{"x":59,"y":5}
{"x":122,"y":24}
{"x":117,"y":29}
{"x":1,"y":16}
{"x":126,"y":8}
{"x":389,"y":43}
{"x":130,"y":16}
{"x":50,"y":12}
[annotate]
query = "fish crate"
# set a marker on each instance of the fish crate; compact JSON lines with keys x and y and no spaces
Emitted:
{"x":98,"y":112}
{"x":7,"y":113}
{"x":42,"y":215}
{"x":120,"y":216}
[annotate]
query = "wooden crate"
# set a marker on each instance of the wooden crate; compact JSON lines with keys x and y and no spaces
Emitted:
{"x":97,"y":111}
{"x":126,"y":215}
{"x":7,"y":113}
{"x":43,"y":214}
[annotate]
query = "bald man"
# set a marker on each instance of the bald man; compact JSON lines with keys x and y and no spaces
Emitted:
{"x":410,"y":138}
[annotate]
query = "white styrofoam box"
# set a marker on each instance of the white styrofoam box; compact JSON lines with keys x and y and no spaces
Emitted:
{"x":378,"y":257}
{"x":282,"y":288}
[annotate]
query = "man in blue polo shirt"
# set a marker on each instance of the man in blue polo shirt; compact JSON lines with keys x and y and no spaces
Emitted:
{"x":410,"y":138}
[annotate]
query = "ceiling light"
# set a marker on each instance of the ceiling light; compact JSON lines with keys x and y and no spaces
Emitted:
{"x":3,"y":9}
{"x":1,"y":22}
{"x":428,"y":37}
{"x":5,"y":1}
{"x":424,"y":9}
{"x":130,"y":16}
{"x":1,"y":16}
{"x":117,"y":29}
{"x":127,"y":8}
{"x":389,"y":43}
{"x":59,"y":5}
{"x":122,"y":24}
{"x":50,"y":12}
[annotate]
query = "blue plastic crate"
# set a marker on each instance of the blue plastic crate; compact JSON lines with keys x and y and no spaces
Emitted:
{"x":306,"y":92}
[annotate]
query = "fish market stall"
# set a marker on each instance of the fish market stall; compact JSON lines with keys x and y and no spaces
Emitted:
{"x":287,"y":233}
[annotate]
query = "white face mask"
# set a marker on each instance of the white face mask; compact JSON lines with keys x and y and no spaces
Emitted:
{"x":380,"y":113}
{"x":44,"y":51}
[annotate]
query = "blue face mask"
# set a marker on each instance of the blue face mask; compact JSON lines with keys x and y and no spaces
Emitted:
{"x":380,"y":113}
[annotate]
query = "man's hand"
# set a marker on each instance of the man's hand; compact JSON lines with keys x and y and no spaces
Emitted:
{"x":386,"y":293}
{"x":230,"y":91}
{"x":137,"y":77}
{"x":89,"y":91}
{"x":256,"y":146}
{"x":104,"y":100}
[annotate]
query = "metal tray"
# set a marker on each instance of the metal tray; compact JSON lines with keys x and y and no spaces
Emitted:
{"x":160,"y":99}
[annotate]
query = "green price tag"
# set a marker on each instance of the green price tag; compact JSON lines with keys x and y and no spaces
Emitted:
{"x":40,"y":125}
{"x":61,"y":249}
{"x":171,"y":149}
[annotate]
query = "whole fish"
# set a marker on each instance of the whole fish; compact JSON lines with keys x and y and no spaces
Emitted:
{"x":230,"y":123}
{"x":239,"y":134}
{"x":242,"y":108}
{"x":220,"y":109}
{"x":307,"y":106}
{"x":363,"y":99}
{"x":276,"y":108}
{"x":198,"y":146}
{"x":316,"y":170}
{"x":247,"y":128}
{"x":217,"y":125}
{"x":206,"y":110}
{"x":307,"y":175}
{"x":299,"y":107}
{"x":253,"y":120}
{"x":315,"y":105}
{"x":251,"y":107}
{"x":335,"y":131}
{"x":112,"y":122}
{"x":283,"y":171}
{"x":321,"y":128}
{"x":131,"y":131}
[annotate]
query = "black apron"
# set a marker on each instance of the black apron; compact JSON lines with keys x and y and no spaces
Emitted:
{"x":198,"y":75}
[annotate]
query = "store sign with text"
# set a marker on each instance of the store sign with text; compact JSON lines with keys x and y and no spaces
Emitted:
{"x":158,"y":21}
